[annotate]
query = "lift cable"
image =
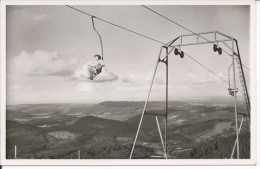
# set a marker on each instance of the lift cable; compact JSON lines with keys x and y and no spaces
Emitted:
{"x":148,"y":38}
{"x":160,"y":43}
{"x":116,"y":25}
{"x":209,"y":70}
{"x":186,"y":29}
{"x":206,"y":68}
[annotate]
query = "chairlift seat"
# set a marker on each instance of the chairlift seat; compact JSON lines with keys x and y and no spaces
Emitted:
{"x":232,"y":91}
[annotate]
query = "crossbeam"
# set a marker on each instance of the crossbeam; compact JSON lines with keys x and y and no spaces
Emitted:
{"x":200,"y":43}
{"x":201,"y":39}
{"x":177,"y":42}
{"x":154,"y":114}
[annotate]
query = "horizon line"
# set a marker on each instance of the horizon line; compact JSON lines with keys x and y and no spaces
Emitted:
{"x":101,"y":101}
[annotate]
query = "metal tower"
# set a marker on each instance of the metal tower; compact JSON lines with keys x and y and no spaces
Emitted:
{"x":218,"y":40}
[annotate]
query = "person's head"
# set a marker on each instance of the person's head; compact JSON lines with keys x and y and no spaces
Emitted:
{"x":98,"y":57}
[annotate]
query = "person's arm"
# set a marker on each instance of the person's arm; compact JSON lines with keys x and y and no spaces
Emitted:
{"x":92,"y":64}
{"x":101,"y":62}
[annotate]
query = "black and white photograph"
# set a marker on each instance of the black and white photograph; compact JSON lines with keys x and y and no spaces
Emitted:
{"x":130,"y":83}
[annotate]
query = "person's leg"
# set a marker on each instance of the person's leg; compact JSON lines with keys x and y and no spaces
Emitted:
{"x":90,"y":73}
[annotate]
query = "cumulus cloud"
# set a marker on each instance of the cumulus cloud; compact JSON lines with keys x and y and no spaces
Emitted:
{"x":18,"y":87}
{"x":81,"y":75}
{"x":137,"y":79}
{"x":140,"y":83}
{"x":84,"y":87}
{"x":42,"y":63}
{"x":106,"y":76}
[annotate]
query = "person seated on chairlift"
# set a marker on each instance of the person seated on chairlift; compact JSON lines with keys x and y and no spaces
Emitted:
{"x":95,"y":68}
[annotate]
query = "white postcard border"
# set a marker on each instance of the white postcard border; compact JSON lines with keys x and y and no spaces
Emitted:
{"x":253,"y":79}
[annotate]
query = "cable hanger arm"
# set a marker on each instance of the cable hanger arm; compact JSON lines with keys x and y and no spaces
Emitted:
{"x":148,"y":38}
{"x":170,"y":20}
{"x":100,"y":39}
{"x":118,"y":26}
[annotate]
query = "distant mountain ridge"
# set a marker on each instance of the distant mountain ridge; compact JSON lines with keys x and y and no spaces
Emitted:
{"x":43,"y":130}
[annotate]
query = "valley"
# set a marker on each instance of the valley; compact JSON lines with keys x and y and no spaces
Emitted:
{"x":106,"y":130}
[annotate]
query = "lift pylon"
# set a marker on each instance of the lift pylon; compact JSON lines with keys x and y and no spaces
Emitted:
{"x":217,"y":38}
{"x":164,"y":141}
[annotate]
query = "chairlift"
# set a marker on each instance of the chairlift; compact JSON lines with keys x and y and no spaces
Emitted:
{"x":99,"y":69}
{"x":231,"y":90}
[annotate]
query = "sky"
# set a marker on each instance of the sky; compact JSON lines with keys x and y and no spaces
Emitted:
{"x":48,"y":47}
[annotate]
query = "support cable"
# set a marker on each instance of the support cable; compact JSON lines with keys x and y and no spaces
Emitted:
{"x":147,"y":37}
{"x":185,"y":29}
{"x":210,"y":70}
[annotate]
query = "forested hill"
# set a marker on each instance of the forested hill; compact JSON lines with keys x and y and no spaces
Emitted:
{"x":218,"y":148}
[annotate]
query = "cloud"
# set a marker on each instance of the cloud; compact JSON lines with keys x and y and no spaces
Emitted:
{"x":137,"y":79}
{"x":81,"y":75}
{"x":140,"y":83}
{"x":41,"y":63}
{"x":17,"y":87}
{"x":84,"y":87}
{"x":106,"y":76}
